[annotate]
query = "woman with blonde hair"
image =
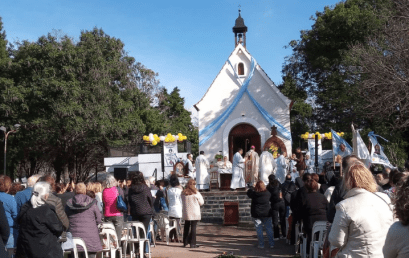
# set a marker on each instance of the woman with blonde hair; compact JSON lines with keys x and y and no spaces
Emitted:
{"x":98,"y":195}
{"x":361,"y":220}
{"x":191,"y":202}
{"x":39,"y":226}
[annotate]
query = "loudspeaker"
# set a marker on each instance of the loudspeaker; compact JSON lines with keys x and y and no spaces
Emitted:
{"x":143,"y":149}
{"x":120,"y":173}
{"x":188,"y":147}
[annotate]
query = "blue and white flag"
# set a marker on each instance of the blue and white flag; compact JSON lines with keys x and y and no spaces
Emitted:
{"x":360,"y":149}
{"x":377,"y":154}
{"x":340,"y":146}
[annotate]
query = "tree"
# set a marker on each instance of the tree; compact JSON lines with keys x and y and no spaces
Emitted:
{"x":177,"y":119}
{"x":301,"y":111}
{"x":73,"y":99}
{"x":382,"y":69}
{"x":318,"y":60}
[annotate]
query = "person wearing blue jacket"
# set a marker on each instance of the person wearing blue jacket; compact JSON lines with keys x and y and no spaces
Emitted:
{"x":10,"y":208}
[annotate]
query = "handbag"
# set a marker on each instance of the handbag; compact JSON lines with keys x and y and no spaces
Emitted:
{"x":120,"y":204}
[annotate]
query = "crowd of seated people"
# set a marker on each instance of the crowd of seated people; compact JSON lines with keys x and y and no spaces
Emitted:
{"x":41,"y":220}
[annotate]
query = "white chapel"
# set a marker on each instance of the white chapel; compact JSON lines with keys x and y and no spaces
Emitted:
{"x":243,"y":107}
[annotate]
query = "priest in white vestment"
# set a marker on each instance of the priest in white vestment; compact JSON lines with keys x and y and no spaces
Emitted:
{"x":190,"y":169}
{"x":281,"y":168}
{"x":202,"y":175}
{"x":268,"y":166}
{"x":252,"y":166}
{"x":237,"y":179}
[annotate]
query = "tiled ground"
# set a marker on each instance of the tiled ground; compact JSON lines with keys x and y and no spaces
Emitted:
{"x":214,"y":240}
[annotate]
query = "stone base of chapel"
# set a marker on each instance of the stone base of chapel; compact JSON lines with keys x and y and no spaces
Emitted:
{"x":226,"y":207}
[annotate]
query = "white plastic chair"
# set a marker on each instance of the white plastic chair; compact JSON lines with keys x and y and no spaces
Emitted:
{"x":319,"y":228}
{"x":134,"y":237}
{"x":109,"y":231}
{"x":168,"y":224}
{"x":124,"y":239}
{"x":78,"y":241}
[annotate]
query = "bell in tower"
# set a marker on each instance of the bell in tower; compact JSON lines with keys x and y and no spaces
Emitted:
{"x":239,"y":30}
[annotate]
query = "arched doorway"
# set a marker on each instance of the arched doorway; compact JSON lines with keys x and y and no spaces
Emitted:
{"x":274,"y":144}
{"x":243,"y":136}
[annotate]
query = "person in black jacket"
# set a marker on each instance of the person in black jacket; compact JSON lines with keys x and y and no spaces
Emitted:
{"x":261,"y":212}
{"x":140,"y":201}
{"x":313,"y":209}
{"x":287,"y":188}
{"x":297,"y":199}
{"x":277,"y":206}
{"x":4,"y":232}
{"x":39,"y":226}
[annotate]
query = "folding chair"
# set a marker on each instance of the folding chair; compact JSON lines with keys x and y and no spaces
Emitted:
{"x":111,"y":232}
{"x":134,"y":237}
{"x":78,"y":241}
{"x":319,"y":230}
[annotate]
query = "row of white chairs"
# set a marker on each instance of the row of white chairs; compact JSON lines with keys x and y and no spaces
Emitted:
{"x":135,"y":235}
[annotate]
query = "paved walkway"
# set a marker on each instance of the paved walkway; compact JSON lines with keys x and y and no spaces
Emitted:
{"x":214,"y":240}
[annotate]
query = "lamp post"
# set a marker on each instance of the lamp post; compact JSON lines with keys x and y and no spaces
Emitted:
{"x":6,"y":135}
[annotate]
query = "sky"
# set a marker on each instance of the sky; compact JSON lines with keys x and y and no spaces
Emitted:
{"x":186,"y":42}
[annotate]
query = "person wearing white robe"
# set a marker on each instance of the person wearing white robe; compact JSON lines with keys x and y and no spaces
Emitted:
{"x":191,"y":170}
{"x":281,"y":168}
{"x":293,"y":168}
{"x":309,"y":164}
{"x":268,"y":166}
{"x":237,"y":180}
{"x":202,"y":175}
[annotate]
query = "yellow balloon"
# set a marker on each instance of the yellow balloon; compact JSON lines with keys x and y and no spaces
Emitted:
{"x":154,"y":143}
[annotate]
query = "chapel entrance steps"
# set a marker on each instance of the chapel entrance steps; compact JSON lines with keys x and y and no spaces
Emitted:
{"x":227,"y":208}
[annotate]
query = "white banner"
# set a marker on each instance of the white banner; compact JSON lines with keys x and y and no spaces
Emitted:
{"x":171,"y":153}
{"x":311,"y":149}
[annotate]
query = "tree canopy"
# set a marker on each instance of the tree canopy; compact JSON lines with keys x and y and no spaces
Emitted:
{"x":75,"y":99}
{"x":326,"y":65}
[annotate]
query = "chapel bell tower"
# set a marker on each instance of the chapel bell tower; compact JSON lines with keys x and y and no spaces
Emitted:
{"x":239,"y":30}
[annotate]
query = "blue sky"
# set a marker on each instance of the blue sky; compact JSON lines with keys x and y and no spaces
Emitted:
{"x":186,"y":42}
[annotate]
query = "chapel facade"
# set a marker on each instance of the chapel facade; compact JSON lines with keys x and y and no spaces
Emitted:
{"x":243,"y":107}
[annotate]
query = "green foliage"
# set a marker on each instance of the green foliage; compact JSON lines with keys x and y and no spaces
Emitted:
{"x":318,"y":60}
{"x":321,"y":65}
{"x":76,"y":99}
{"x":301,"y":111}
{"x":177,"y":119}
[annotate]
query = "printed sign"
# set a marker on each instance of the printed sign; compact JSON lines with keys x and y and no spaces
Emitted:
{"x":171,"y":154}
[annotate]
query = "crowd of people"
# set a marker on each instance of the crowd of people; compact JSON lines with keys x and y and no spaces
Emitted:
{"x":41,"y":219}
{"x":365,"y":216}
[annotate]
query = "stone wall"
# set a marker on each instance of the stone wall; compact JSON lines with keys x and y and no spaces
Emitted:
{"x":213,"y":208}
